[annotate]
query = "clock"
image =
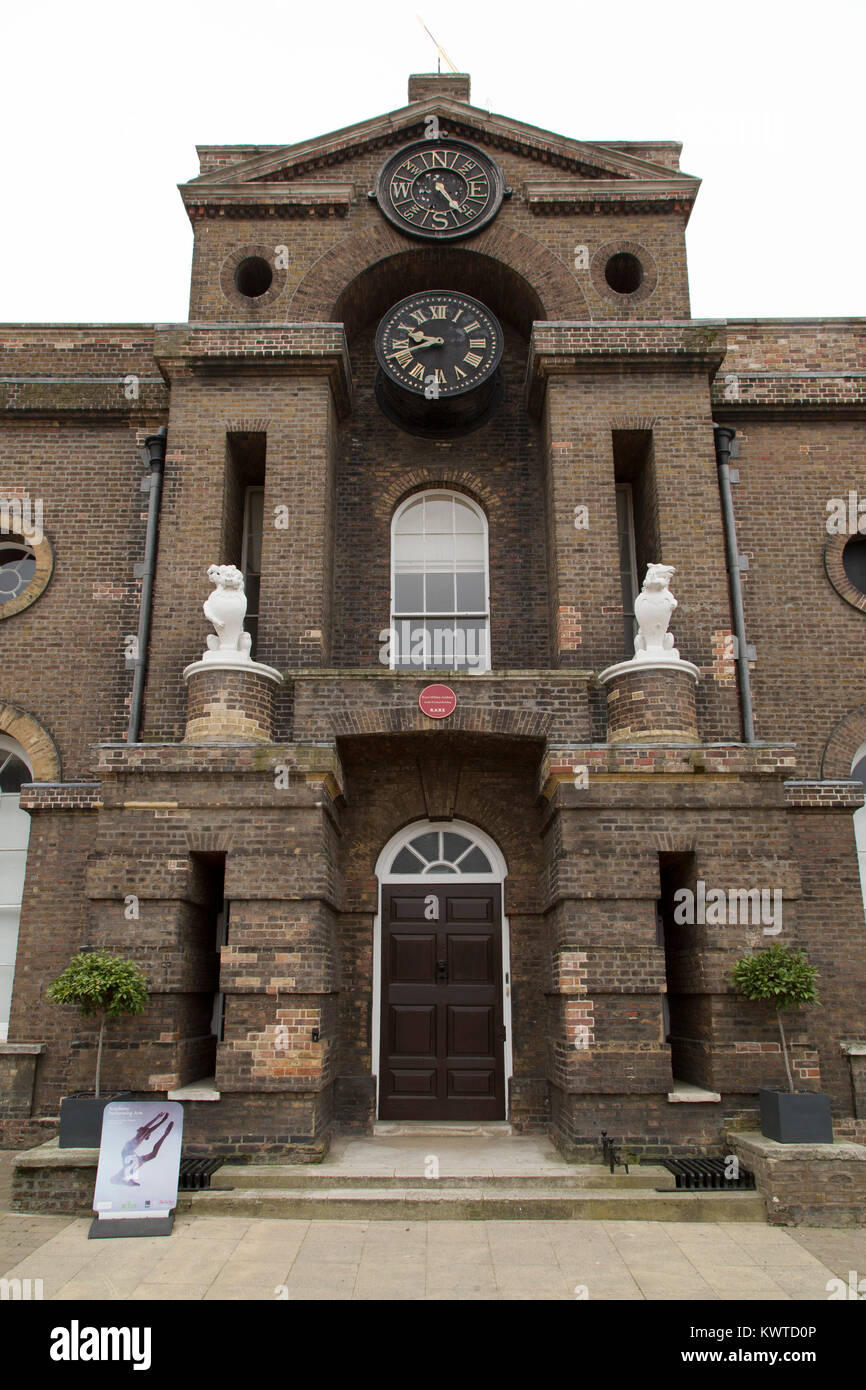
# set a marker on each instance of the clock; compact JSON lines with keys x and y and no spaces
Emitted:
{"x":439,"y":354}
{"x":441,"y":189}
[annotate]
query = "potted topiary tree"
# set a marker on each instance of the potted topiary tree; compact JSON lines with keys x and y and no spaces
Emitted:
{"x":782,"y":977}
{"x":101,"y":986}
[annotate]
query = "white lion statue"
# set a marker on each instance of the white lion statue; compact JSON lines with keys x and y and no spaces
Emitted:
{"x":653,"y":609}
{"x":226,"y":608}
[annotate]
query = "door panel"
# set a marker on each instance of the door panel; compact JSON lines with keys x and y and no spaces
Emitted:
{"x":442,"y":1039}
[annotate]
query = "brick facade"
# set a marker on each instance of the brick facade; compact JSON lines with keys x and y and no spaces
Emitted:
{"x":602,"y":802}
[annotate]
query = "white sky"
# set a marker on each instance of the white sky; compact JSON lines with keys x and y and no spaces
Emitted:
{"x":102,"y":103}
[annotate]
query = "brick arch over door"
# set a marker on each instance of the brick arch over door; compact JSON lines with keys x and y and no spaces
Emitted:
{"x":356,"y":280}
{"x":36,"y":741}
{"x":848,"y":735}
{"x":405,"y":717}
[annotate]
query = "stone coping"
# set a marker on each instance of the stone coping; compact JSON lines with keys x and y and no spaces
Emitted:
{"x":686,"y":1093}
{"x":50,"y":1155}
{"x":757,"y":1145}
{"x":206,"y":1089}
{"x":246,"y":668}
{"x":637,"y":665}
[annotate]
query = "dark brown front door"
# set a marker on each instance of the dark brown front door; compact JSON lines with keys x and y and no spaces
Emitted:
{"x":442,"y":1035}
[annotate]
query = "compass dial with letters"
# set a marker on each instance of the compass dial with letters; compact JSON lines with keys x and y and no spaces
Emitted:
{"x":439,"y":343}
{"x":440,"y":188}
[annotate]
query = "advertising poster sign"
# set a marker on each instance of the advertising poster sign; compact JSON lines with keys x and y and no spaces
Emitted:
{"x":139,"y":1160}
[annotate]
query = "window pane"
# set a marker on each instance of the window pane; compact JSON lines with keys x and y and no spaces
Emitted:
{"x":255,"y":509}
{"x":476,"y":862}
{"x":439,"y":515}
{"x":438,"y":550}
{"x":466,"y":518}
{"x":406,"y":863}
{"x":470,"y":550}
{"x":471,"y":644}
{"x":454,"y":845}
{"x":17,"y":567}
{"x":470,"y":593}
{"x":409,"y":593}
{"x":13,"y":771}
{"x":441,"y":869}
{"x":440,"y":650}
{"x":408,"y":551}
{"x":412,"y":520}
{"x":427,"y":845}
{"x":252,"y":584}
{"x":440,"y":593}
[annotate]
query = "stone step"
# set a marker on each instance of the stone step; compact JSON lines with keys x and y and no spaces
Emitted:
{"x":324,"y":1176}
{"x":441,"y":1129}
{"x":479,"y":1203}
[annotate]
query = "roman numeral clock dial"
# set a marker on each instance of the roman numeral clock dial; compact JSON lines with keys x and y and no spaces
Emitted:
{"x":441,"y":189}
{"x":439,"y":354}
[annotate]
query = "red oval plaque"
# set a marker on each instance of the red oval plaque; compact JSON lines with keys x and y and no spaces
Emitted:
{"x":437,"y":701}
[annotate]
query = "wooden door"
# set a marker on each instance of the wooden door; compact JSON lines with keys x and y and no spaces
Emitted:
{"x":442,"y":1033}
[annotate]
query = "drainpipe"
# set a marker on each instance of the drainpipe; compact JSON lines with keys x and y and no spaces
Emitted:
{"x":724,"y":438}
{"x":152,"y":484}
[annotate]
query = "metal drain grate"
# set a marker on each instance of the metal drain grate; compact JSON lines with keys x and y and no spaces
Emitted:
{"x":701,"y":1174}
{"x":196,"y":1173}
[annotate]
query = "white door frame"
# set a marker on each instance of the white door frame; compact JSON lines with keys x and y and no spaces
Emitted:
{"x":499,"y":875}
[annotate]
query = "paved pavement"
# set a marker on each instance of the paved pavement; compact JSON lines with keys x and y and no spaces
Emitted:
{"x":239,"y":1258}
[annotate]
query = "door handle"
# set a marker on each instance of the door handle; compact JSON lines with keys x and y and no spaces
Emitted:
{"x":441,"y":972}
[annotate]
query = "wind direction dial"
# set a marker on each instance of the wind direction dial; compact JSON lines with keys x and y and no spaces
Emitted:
{"x":442,"y":189}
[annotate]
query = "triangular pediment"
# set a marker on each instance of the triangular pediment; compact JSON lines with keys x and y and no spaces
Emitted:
{"x":575,"y":159}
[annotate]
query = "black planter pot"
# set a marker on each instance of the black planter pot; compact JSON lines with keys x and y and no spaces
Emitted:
{"x":81,"y":1119}
{"x":796,"y":1117}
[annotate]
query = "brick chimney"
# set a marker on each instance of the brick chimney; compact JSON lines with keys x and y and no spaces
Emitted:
{"x":423,"y":85}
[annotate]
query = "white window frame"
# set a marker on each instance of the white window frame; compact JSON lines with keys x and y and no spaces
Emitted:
{"x":438,"y":493}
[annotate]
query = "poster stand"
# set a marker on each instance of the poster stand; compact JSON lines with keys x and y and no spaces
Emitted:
{"x":139,"y":1168}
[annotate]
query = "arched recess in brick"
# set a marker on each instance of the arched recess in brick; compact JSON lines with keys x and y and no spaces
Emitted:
{"x":357,"y":280}
{"x":420,"y":480}
{"x":36,"y":741}
{"x":845,"y":740}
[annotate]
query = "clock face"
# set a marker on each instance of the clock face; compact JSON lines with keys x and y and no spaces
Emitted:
{"x":439,"y":344}
{"x":440,"y":188}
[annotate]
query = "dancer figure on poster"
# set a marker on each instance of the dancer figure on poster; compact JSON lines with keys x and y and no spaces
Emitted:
{"x":133,"y":1161}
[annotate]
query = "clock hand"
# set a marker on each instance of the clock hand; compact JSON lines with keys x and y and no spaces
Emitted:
{"x":432,"y":342}
{"x":440,"y":188}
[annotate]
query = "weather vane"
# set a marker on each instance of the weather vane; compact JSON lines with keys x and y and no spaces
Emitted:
{"x":439,"y":49}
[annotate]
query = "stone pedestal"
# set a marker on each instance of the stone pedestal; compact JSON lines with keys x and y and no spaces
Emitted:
{"x":651,"y":701}
{"x":230,"y":702}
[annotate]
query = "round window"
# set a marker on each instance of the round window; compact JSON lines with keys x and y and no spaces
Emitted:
{"x":254,"y":277}
{"x":854,"y":562}
{"x":17,"y":568}
{"x":624,"y":272}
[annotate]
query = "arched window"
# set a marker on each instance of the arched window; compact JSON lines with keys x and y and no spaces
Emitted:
{"x":858,"y":770}
{"x":440,"y":852}
{"x":440,"y":614}
{"x":14,"y":836}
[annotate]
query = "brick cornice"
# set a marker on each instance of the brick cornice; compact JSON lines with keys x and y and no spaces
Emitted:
{"x":268,"y":200}
{"x":677,"y":193}
{"x":565,"y":349}
{"x":303,"y":349}
{"x":777,"y":394}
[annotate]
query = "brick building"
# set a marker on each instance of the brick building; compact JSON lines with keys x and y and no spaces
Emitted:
{"x":348,"y":909}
